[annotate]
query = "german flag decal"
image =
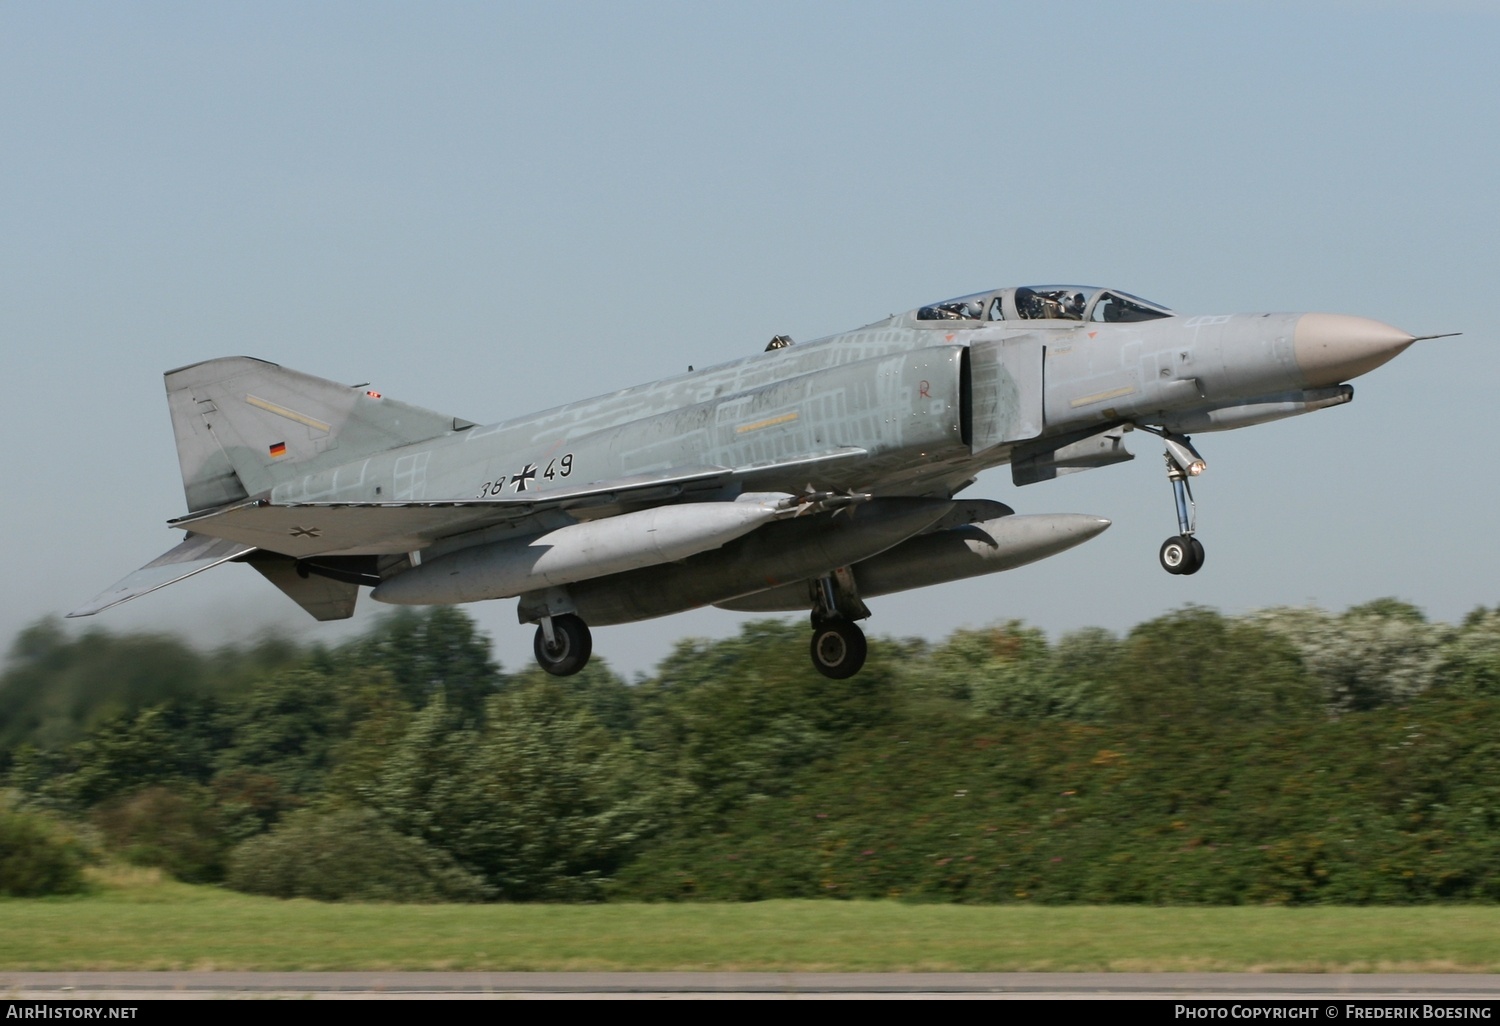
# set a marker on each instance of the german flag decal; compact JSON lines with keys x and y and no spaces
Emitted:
{"x":278,"y":449}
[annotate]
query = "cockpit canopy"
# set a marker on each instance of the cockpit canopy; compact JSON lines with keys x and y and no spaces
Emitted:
{"x":1046,"y":303}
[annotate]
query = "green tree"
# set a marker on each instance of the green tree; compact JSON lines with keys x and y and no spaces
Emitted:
{"x":56,"y":688}
{"x":611,"y":701}
{"x":176,"y":741}
{"x":348,"y":854}
{"x":431,"y":652}
{"x":1009,"y":671}
{"x":38,"y":855}
{"x":1002,"y":670}
{"x":1084,"y":664}
{"x":1469,"y":659}
{"x":726,"y":721}
{"x":544,"y":803}
{"x":1381,"y":653}
{"x":1199,"y":670}
{"x":377,"y":718}
{"x":1388,"y":608}
{"x":178,"y":829}
{"x":285,"y":728}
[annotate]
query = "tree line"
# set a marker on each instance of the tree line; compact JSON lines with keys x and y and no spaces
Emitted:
{"x":1288,"y":755}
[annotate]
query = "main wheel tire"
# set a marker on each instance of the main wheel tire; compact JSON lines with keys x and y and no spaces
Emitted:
{"x":1176,"y":554}
{"x":571,"y":651}
{"x":838,"y":649}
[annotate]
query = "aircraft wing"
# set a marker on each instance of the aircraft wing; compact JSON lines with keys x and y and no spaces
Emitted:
{"x":351,"y":528}
{"x":195,"y":554}
{"x":362,"y":528}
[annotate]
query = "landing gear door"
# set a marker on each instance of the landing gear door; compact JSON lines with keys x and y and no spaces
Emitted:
{"x":1005,"y":388}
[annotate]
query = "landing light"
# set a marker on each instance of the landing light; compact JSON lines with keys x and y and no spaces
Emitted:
{"x":1180,"y":454}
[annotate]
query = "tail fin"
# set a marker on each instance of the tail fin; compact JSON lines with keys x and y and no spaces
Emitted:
{"x":245,"y":425}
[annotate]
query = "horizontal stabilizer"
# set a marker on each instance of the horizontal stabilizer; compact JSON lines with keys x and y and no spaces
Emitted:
{"x":196,"y":553}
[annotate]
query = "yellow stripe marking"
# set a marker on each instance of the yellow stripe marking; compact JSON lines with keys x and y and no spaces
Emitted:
{"x":1099,"y":397}
{"x":282,"y":411}
{"x":771,"y":422}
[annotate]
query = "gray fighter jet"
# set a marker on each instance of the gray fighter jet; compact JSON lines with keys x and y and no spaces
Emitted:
{"x":806,"y":477}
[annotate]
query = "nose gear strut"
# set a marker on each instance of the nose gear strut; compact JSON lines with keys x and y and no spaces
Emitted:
{"x":1183,"y":552}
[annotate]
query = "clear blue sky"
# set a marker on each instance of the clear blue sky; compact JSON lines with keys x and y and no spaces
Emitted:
{"x":492,"y":208}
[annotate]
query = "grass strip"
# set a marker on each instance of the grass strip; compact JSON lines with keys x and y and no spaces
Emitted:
{"x":141,"y":922}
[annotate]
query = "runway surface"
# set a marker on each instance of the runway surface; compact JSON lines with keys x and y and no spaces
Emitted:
{"x":125,"y":986}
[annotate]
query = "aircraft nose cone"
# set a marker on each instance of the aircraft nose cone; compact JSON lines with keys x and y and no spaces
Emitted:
{"x":1332,"y":348}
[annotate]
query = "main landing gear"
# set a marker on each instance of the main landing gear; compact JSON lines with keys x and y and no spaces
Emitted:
{"x":1183,"y":552}
{"x":838,"y":645}
{"x":563,"y":644}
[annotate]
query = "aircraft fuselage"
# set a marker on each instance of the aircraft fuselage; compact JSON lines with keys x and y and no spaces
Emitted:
{"x":802,"y":477}
{"x":899,"y":407}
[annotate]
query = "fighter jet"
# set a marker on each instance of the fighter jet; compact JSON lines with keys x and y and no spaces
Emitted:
{"x":808,"y":477}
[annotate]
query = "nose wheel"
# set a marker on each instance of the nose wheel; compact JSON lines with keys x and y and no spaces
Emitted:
{"x":1181,"y":554}
{"x":563,"y":644}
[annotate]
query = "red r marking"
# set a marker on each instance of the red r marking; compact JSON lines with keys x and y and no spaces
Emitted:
{"x":922,"y":390}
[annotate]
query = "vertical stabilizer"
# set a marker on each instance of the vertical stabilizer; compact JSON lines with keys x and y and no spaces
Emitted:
{"x":245,"y":425}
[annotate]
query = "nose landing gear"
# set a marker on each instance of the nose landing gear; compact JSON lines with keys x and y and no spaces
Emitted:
{"x":1183,"y":552}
